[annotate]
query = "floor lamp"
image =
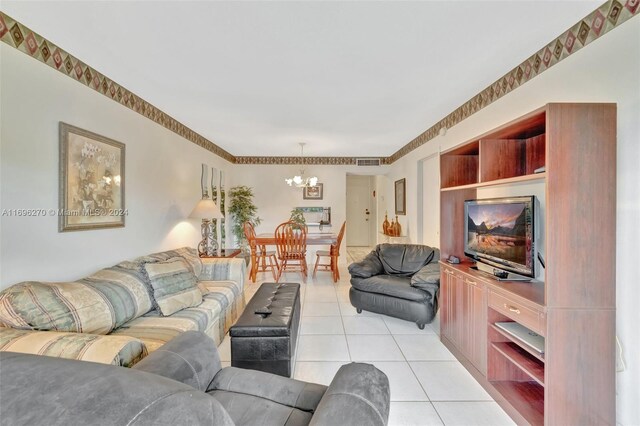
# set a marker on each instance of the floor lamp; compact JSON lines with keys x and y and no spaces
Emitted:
{"x":207,"y":210}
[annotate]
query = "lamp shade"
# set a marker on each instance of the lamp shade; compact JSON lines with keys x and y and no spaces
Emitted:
{"x":206,"y":209}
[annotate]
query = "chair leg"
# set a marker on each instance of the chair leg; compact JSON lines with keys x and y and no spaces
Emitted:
{"x":334,"y":268}
{"x":315,"y":268}
{"x":273,"y":263}
{"x":280,"y":269}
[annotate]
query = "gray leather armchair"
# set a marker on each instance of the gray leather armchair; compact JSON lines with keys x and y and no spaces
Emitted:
{"x":399,"y":280}
{"x":183,"y":383}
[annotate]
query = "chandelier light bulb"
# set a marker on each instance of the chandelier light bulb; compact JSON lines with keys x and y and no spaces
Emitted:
{"x":299,"y":180}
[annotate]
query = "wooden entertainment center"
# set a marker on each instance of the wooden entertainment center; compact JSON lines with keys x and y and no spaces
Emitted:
{"x":573,"y":307}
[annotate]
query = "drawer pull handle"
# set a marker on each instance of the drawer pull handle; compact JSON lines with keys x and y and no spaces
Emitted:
{"x":512,"y":309}
{"x":471,"y":282}
{"x":448,"y":272}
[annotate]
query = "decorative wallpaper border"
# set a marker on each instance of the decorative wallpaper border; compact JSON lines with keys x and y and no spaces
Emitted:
{"x":24,"y":39}
{"x":325,"y":161}
{"x":599,"y":22}
{"x":608,"y":16}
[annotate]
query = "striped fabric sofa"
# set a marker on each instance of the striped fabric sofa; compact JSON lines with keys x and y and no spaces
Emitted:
{"x":109,"y":317}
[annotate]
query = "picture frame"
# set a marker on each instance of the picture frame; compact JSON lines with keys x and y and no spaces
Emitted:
{"x":91,"y":181}
{"x":401,"y":197}
{"x":313,"y":192}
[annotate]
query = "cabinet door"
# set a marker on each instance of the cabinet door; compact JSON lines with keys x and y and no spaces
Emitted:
{"x":445,"y":303}
{"x":458,"y":315}
{"x":478,"y":325}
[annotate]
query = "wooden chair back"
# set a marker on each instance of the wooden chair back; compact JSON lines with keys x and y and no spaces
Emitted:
{"x":291,"y":240}
{"x":336,"y":248}
{"x":249,"y":233}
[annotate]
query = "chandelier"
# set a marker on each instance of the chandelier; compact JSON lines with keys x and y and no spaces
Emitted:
{"x":300,"y":180}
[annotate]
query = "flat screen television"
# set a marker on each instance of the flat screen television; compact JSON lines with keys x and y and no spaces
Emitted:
{"x":501,"y":232}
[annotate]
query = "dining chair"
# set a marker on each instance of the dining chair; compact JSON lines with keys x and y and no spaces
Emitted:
{"x":266,"y":258}
{"x":291,"y":245}
{"x":333,"y":254}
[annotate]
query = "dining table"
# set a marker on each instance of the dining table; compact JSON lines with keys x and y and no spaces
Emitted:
{"x":266,"y":239}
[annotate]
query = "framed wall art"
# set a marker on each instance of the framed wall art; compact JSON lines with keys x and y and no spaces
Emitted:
{"x":401,"y":196}
{"x":91,"y":194}
{"x":313,"y":192}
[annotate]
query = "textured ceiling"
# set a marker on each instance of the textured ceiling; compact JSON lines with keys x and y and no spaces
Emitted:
{"x":348,"y":78}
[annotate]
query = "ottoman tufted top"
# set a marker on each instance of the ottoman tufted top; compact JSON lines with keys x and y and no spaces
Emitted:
{"x":279,"y":298}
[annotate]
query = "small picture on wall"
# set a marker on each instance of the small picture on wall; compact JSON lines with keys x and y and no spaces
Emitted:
{"x":312,"y":192}
{"x":401,"y":197}
{"x":91,"y":192}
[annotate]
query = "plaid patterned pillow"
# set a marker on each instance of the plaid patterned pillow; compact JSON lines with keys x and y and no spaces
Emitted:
{"x":174,"y":285}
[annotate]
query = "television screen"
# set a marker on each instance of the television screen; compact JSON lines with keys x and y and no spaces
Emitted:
{"x":500,"y":232}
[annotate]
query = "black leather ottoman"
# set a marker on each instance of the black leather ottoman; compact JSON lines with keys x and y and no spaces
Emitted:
{"x":267,"y":342}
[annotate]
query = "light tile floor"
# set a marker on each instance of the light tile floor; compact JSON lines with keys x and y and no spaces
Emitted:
{"x":428,"y":385}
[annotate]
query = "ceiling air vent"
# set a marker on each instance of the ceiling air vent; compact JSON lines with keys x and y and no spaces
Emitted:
{"x":367,"y":161}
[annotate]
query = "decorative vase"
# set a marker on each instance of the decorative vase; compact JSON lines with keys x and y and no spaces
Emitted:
{"x":385,"y":224}
{"x":393,"y":228}
{"x":398,"y":227}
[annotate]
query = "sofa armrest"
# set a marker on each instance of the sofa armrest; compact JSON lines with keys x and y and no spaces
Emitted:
{"x":358,"y":394}
{"x":293,"y":393}
{"x":367,"y":267}
{"x":224,"y":269}
{"x":190,"y":358}
{"x":123,"y":351}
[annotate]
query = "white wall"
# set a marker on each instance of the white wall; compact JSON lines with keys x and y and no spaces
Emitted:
{"x":162,"y":176}
{"x":605,"y":71}
{"x":275,"y":199}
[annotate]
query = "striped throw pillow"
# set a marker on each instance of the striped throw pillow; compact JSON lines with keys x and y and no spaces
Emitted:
{"x":174,"y":286}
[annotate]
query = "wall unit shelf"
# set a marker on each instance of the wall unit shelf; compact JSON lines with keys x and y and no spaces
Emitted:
{"x":531,"y":352}
{"x":506,"y":181}
{"x":573,"y":308}
{"x":521,"y":359}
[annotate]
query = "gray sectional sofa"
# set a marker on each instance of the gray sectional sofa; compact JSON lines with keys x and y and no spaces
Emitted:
{"x":182,"y":383}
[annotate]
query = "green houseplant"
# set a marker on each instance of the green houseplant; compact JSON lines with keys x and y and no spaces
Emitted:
{"x":242,"y":209}
{"x":297,"y":217}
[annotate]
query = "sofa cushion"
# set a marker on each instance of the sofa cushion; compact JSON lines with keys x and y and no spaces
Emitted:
{"x":117,"y":350}
{"x":249,"y":410}
{"x":391,"y":285}
{"x":404,"y":259}
{"x":174,"y":285}
{"x":220,"y":308}
{"x":97,"y":304}
{"x":283,"y":390}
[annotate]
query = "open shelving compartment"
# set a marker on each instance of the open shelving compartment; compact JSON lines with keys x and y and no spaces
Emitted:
{"x":515,"y":370}
{"x":507,"y":155}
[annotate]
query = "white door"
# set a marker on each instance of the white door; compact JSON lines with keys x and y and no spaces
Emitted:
{"x":359,"y":211}
{"x":431,"y":201}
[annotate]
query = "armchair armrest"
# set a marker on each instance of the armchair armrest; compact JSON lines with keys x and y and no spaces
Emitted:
{"x":224,"y":269}
{"x":428,"y":279}
{"x":190,"y":358}
{"x":358,"y":394}
{"x":367,"y":267}
{"x":293,"y":393}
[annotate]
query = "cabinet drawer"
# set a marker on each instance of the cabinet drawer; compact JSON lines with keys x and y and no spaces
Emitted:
{"x":530,"y":318}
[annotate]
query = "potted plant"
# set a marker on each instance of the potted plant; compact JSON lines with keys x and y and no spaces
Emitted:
{"x":242,"y":210}
{"x":297,"y":217}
